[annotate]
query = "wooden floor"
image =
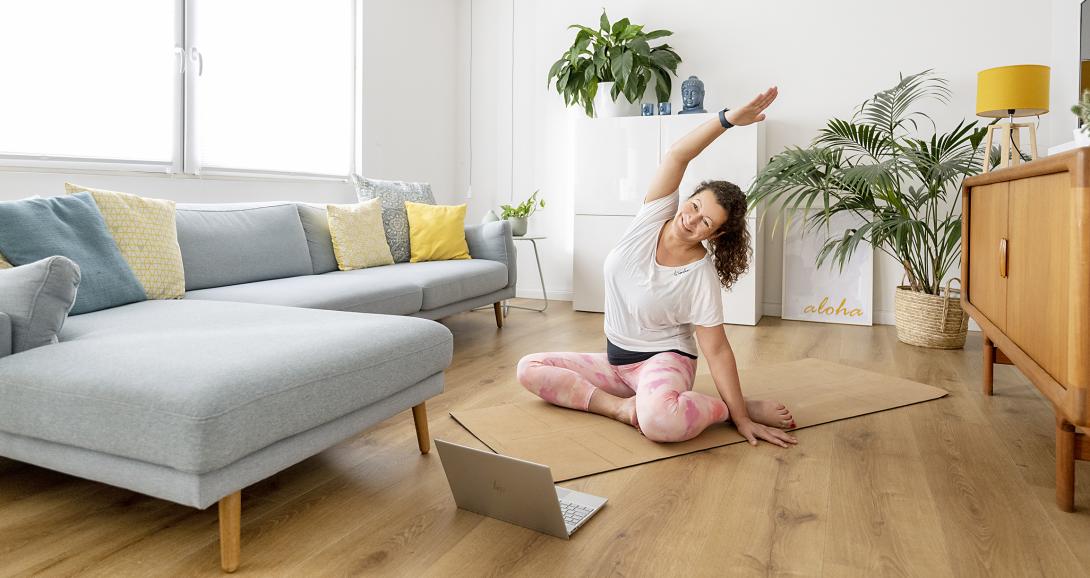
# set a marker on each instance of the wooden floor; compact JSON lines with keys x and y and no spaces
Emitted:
{"x":961,"y":486}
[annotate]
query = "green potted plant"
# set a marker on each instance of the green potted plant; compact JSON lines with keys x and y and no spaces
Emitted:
{"x":903,"y":185}
{"x":519,"y":214}
{"x":613,"y":61}
{"x":1082,"y":110}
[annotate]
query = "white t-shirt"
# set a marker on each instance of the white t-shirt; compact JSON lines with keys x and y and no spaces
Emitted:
{"x":651,"y":307}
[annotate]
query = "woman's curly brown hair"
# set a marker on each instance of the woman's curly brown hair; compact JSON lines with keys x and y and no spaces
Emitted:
{"x":730,"y":245}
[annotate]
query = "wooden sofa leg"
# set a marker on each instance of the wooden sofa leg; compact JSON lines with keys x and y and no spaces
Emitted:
{"x":499,"y":314}
{"x":989,"y":364}
{"x":230,"y":531}
{"x":420,"y":418}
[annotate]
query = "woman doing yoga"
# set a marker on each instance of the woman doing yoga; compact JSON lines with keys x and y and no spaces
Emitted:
{"x":662,"y":289}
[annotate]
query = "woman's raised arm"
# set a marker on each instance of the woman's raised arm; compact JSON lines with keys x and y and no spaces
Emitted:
{"x":672,"y":169}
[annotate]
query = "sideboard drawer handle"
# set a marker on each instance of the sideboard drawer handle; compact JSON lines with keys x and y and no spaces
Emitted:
{"x":1002,"y":257}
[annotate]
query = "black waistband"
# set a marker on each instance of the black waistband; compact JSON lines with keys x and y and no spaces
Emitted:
{"x":618,"y":356}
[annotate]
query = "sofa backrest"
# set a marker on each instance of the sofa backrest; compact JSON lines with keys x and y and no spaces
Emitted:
{"x":229,"y":244}
{"x":319,"y":241}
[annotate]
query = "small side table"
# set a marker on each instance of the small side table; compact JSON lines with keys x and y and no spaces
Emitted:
{"x":533,"y":241}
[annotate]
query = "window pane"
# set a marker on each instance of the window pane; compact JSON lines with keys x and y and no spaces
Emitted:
{"x":276,"y":90}
{"x":89,"y":79}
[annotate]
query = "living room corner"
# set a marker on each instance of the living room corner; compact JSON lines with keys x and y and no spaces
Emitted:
{"x":544,"y":288}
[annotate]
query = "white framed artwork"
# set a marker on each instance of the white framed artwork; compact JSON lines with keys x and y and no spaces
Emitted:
{"x":826,"y":294}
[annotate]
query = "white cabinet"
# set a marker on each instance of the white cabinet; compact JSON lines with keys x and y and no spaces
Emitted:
{"x":595,"y":236}
{"x":615,"y":159}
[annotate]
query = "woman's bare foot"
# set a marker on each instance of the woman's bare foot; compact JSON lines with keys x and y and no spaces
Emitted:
{"x":770,"y":413}
{"x":622,"y":409}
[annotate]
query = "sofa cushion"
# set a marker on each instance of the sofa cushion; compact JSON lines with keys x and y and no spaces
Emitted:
{"x":436,"y":232}
{"x":147,"y":236}
{"x":361,"y":291}
{"x":197,"y":385}
{"x":446,"y":282}
{"x":72,"y":226}
{"x":319,"y":241}
{"x":394,"y":219}
{"x":240,"y":243}
{"x":36,"y":299}
{"x":359,"y":241}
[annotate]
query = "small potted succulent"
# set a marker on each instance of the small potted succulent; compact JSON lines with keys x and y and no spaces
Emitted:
{"x":1082,"y":110}
{"x":519,"y":214}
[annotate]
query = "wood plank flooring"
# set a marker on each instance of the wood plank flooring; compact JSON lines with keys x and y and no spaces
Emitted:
{"x":961,"y":486}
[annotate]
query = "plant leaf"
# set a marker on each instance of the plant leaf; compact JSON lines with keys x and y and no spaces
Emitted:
{"x":619,"y":26}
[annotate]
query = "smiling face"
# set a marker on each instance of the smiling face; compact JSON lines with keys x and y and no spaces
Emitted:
{"x":699,"y":217}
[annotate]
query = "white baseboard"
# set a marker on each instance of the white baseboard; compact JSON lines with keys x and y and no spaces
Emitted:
{"x":535,"y":293}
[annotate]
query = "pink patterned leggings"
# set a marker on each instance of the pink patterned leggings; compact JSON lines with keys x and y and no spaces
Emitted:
{"x":667,"y":409}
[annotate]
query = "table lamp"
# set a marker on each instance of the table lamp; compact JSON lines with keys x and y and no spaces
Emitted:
{"x":1009,"y":92}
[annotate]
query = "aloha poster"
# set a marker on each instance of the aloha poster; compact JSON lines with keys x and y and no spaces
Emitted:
{"x":826,"y":294}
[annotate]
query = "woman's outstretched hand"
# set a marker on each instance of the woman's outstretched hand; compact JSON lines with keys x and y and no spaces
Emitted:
{"x":754,"y":111}
{"x":753,"y":431}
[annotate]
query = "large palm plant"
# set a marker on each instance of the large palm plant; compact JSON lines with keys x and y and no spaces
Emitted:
{"x":876,"y":167}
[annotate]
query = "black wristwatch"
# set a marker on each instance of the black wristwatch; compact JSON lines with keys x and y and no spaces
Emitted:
{"x":723,"y":118}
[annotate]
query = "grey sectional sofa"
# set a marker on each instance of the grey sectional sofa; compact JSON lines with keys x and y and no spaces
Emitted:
{"x":271,"y":357}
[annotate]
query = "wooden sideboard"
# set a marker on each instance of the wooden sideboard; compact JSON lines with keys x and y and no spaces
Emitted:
{"x":1025,"y":264}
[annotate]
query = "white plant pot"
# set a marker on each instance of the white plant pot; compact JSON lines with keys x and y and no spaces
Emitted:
{"x":1081,"y":138}
{"x":606,"y":107}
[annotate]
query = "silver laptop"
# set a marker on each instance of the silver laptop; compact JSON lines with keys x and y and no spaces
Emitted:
{"x":514,"y":491}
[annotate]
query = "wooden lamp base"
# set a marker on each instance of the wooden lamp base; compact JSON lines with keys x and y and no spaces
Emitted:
{"x":1009,"y":149}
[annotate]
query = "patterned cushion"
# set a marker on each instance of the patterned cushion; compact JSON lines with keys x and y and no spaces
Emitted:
{"x":393,"y":195}
{"x":358,"y":238}
{"x":438,"y":232}
{"x":145,"y":232}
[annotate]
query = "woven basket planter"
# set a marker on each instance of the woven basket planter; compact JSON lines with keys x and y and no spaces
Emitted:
{"x":936,"y":321}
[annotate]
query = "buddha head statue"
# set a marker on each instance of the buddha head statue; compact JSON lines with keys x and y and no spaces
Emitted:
{"x":692,"y":95}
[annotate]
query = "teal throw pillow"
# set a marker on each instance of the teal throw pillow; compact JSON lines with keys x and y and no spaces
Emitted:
{"x":70,"y":226}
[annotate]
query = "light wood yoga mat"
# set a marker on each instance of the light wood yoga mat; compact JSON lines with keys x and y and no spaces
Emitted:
{"x":576,"y":444}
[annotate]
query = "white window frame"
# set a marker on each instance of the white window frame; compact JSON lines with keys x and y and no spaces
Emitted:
{"x":184,"y":163}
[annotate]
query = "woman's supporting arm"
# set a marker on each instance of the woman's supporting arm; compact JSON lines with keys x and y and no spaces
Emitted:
{"x":672,"y":169}
{"x":713,"y":343}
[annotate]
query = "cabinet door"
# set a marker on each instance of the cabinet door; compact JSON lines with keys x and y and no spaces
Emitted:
{"x":614,"y":161}
{"x":742,"y":302}
{"x":987,"y":229}
{"x":735,"y":156}
{"x":595,"y":237}
{"x":1039,"y":258}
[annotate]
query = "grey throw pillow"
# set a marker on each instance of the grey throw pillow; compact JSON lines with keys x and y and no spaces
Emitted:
{"x":37,"y":297}
{"x":394,"y":218}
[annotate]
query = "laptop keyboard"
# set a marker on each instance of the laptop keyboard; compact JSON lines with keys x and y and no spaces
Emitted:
{"x":573,"y":513}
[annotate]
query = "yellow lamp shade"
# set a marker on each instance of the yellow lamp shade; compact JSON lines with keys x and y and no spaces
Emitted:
{"x":1021,"y":88}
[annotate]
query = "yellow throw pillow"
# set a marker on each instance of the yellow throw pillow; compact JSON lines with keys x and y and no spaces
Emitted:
{"x":359,"y":240}
{"x":146,"y":233}
{"x":4,"y":262}
{"x":436,"y":232}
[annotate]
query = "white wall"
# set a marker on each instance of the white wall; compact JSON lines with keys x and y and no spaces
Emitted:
{"x":410,"y":119}
{"x":1064,"y":60}
{"x":826,"y":57}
